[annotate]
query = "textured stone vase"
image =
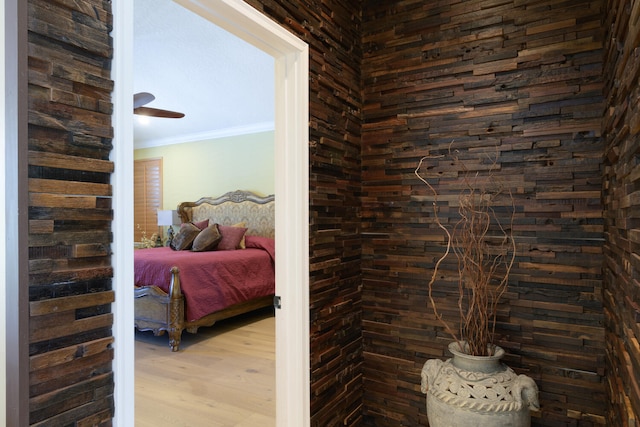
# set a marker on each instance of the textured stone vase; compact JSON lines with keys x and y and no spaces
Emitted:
{"x":477,"y":391}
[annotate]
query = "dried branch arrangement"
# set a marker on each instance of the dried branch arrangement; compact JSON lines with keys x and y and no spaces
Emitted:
{"x":485,"y":252}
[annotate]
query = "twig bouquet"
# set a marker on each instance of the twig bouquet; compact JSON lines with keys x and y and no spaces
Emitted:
{"x":485,"y":252}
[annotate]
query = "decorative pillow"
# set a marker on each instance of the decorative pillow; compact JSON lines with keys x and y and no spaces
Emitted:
{"x":207,"y":239}
{"x":184,"y":239}
{"x":202,"y":224}
{"x":242,"y":244}
{"x":231,"y":237}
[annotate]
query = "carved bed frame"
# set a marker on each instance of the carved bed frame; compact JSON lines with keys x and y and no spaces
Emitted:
{"x":158,"y":311}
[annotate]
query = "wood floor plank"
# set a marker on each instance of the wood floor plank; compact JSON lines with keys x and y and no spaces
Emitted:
{"x":222,"y":376}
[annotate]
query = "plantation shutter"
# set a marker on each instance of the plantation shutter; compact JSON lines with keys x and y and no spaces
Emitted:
{"x":147,"y":193}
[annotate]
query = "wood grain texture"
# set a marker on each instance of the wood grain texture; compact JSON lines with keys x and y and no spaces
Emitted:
{"x":622,"y":211}
{"x":513,"y":79}
{"x":70,"y":271}
{"x":389,"y":82}
{"x":332,"y":29}
{"x":224,"y":376}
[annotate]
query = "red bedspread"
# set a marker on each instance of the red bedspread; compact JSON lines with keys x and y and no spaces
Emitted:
{"x":211,"y":281}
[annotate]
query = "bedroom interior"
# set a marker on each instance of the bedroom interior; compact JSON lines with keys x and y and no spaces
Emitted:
{"x":554,"y":82}
{"x":204,"y":289}
{"x":221,"y":263}
{"x":242,"y":146}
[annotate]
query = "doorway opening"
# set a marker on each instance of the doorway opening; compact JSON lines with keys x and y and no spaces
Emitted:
{"x":290,"y":56}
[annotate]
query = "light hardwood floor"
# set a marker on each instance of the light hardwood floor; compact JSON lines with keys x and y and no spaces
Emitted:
{"x":222,"y":376}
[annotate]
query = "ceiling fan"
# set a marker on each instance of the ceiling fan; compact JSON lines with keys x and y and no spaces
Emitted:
{"x":143,"y":98}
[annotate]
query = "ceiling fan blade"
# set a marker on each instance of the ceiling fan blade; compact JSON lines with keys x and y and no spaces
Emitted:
{"x":142,"y":98}
{"x":156,"y":112}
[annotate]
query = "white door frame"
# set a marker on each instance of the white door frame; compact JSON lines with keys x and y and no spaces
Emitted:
{"x":14,"y":357}
{"x":3,"y":228}
{"x":291,"y":57}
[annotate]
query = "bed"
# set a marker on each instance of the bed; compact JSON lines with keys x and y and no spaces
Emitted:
{"x":177,"y":290}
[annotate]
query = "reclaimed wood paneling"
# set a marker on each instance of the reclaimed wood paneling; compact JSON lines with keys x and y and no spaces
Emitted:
{"x":521,"y":75}
{"x":621,"y":128}
{"x":332,"y":29}
{"x":523,"y":78}
{"x":71,"y":379}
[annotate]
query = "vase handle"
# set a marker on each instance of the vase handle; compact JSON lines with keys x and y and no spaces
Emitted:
{"x":526,"y":391}
{"x":429,"y":373}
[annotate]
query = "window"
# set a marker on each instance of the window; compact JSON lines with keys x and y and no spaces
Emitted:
{"x":147,"y":194}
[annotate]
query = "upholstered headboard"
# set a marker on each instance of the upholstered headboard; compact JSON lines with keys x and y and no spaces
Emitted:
{"x":257,"y":212}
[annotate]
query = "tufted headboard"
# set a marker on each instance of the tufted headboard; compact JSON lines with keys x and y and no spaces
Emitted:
{"x":257,"y":212}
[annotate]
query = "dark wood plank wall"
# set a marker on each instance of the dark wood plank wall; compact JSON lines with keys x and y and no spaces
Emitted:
{"x":70,"y":135}
{"x":522,"y":77}
{"x":621,"y":130}
{"x":332,"y":30}
{"x":70,"y":294}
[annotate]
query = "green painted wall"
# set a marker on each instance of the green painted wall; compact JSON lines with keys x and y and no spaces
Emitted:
{"x":213,"y":167}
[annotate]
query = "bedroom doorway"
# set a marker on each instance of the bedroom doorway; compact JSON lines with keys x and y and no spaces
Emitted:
{"x":290,"y":55}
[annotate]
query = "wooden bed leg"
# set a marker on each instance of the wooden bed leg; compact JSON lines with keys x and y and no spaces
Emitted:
{"x":174,"y":340}
{"x":176,"y":310}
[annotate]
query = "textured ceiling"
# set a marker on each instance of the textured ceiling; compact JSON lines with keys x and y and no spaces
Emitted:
{"x":222,"y":84}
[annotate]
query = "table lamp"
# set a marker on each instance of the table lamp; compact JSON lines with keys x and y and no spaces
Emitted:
{"x":168,"y":218}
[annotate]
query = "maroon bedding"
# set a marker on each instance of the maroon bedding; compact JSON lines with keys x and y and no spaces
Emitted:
{"x":211,"y":281}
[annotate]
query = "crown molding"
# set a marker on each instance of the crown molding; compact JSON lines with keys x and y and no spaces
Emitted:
{"x":209,"y":135}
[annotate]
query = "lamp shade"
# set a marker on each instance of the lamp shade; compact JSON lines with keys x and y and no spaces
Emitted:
{"x":168,"y":218}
